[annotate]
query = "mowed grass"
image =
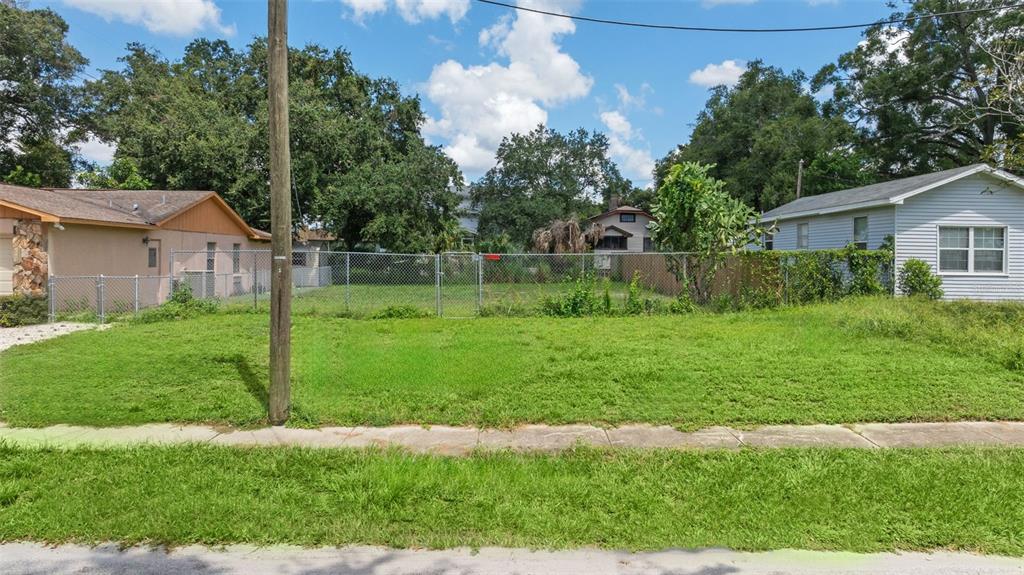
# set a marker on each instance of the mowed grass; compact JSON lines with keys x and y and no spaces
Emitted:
{"x":853,"y":500}
{"x":460,"y":298}
{"x":862,"y":360}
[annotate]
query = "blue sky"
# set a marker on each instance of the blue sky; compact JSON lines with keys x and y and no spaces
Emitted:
{"x":484,"y":71}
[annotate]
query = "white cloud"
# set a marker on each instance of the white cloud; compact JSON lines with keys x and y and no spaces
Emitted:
{"x":628,"y":147}
{"x":96,"y":151}
{"x":412,"y":11}
{"x":363,"y":8}
{"x":481,"y":104}
{"x":713,"y":3}
{"x":725,"y":74}
{"x":174,"y":17}
{"x":631,"y":100}
{"x":618,"y":124}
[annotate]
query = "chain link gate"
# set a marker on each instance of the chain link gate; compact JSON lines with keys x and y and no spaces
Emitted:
{"x":459,"y":284}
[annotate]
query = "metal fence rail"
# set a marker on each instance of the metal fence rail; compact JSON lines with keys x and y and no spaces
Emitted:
{"x":360,"y":284}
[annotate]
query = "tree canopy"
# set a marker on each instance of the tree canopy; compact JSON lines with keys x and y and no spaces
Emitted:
{"x":543,"y":176}
{"x":39,"y":97}
{"x":359,"y":163}
{"x":755,"y":133}
{"x":924,"y":94}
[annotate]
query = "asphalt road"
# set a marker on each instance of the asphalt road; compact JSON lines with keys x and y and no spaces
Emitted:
{"x":35,"y":559}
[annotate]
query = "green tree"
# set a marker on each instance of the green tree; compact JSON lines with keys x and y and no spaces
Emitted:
{"x":39,"y":99}
{"x":545,"y":175}
{"x":923,"y":93}
{"x":408,"y":204}
{"x":121,"y":174}
{"x":755,"y":134}
{"x":696,"y":215}
{"x":201,"y":123}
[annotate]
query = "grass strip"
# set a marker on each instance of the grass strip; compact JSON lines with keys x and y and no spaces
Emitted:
{"x":827,"y":499}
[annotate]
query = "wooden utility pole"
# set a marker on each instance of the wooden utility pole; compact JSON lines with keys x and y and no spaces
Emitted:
{"x":280,"y":215}
{"x":799,"y":177}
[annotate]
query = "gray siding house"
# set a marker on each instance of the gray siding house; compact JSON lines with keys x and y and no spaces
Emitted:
{"x":966,"y":223}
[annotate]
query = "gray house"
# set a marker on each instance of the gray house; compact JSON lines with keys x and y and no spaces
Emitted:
{"x":967,"y":223}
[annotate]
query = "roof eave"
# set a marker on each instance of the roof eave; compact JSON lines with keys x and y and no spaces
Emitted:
{"x":833,"y":210}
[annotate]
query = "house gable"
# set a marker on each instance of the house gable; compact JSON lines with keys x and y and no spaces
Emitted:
{"x":211,"y":215}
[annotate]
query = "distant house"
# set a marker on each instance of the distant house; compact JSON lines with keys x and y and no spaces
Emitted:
{"x":310,"y":265}
{"x":63,"y":232}
{"x":626,"y":229}
{"x":967,"y":223}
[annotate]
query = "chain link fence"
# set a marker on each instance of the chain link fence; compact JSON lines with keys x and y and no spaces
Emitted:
{"x":454,"y":285}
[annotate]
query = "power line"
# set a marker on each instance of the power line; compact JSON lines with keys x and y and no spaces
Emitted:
{"x":745,"y":30}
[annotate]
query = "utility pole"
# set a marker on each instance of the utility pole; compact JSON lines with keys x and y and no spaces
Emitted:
{"x":280,"y":215}
{"x":799,"y":177}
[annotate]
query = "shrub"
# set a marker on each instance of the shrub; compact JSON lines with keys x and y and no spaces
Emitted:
{"x":683,"y":304}
{"x":181,"y":305}
{"x":20,"y":309}
{"x":916,"y":279}
{"x":634,"y":296}
{"x":578,"y":302}
{"x":401,"y":312}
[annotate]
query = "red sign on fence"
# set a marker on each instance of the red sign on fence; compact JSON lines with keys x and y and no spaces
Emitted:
{"x":492,"y":257}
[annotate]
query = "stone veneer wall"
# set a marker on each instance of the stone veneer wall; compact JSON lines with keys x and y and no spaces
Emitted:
{"x":31,"y":262}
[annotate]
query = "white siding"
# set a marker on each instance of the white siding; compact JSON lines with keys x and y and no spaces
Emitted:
{"x":963,"y":203}
{"x":637,"y":228}
{"x":834,"y":231}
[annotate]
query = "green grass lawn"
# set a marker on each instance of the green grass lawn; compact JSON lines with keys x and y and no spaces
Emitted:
{"x":860,"y":360}
{"x":458,"y":299}
{"x":854,"y":500}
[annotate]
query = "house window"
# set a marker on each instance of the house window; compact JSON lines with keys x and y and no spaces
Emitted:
{"x":236,"y":258}
{"x":769,"y":241}
{"x":612,"y":243}
{"x":211,"y":256}
{"x":972,"y":250}
{"x":860,"y":232}
{"x":803,"y":236}
{"x":299,"y":259}
{"x":989,"y":249}
{"x":648,"y":245}
{"x":154,"y":258}
{"x":627,"y":218}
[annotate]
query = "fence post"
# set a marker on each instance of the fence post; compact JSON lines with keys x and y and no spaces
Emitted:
{"x":136,"y":294}
{"x":52,"y":296}
{"x":255,"y":283}
{"x":100,"y":308}
{"x":785,"y":284}
{"x":437,"y":283}
{"x":170,"y":275}
{"x":479,"y":283}
{"x":348,"y":286}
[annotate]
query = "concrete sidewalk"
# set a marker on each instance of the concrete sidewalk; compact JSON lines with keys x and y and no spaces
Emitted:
{"x":32,"y":558}
{"x":462,"y":440}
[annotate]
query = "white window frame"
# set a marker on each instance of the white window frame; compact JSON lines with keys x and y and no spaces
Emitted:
{"x":970,"y":251}
{"x":807,"y":244}
{"x":867,"y":231}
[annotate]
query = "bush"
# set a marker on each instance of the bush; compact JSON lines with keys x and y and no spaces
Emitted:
{"x":635,"y":304}
{"x":578,"y":302}
{"x":683,"y":304}
{"x":916,"y":279}
{"x":401,"y":312}
{"x":181,"y":305}
{"x":20,"y":309}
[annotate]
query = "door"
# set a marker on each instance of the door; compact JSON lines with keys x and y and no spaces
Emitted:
{"x":6,"y":265}
{"x":460,"y":284}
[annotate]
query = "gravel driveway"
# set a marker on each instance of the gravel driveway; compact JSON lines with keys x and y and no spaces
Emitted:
{"x":12,"y":336}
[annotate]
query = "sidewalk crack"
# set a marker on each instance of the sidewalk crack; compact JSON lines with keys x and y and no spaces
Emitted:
{"x":866,"y":438}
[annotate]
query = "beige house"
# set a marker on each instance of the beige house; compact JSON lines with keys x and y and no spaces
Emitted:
{"x":626,"y":229}
{"x":64,"y":232}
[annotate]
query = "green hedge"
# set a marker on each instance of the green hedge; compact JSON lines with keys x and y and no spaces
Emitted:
{"x":771,"y":278}
{"x":18,"y":310}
